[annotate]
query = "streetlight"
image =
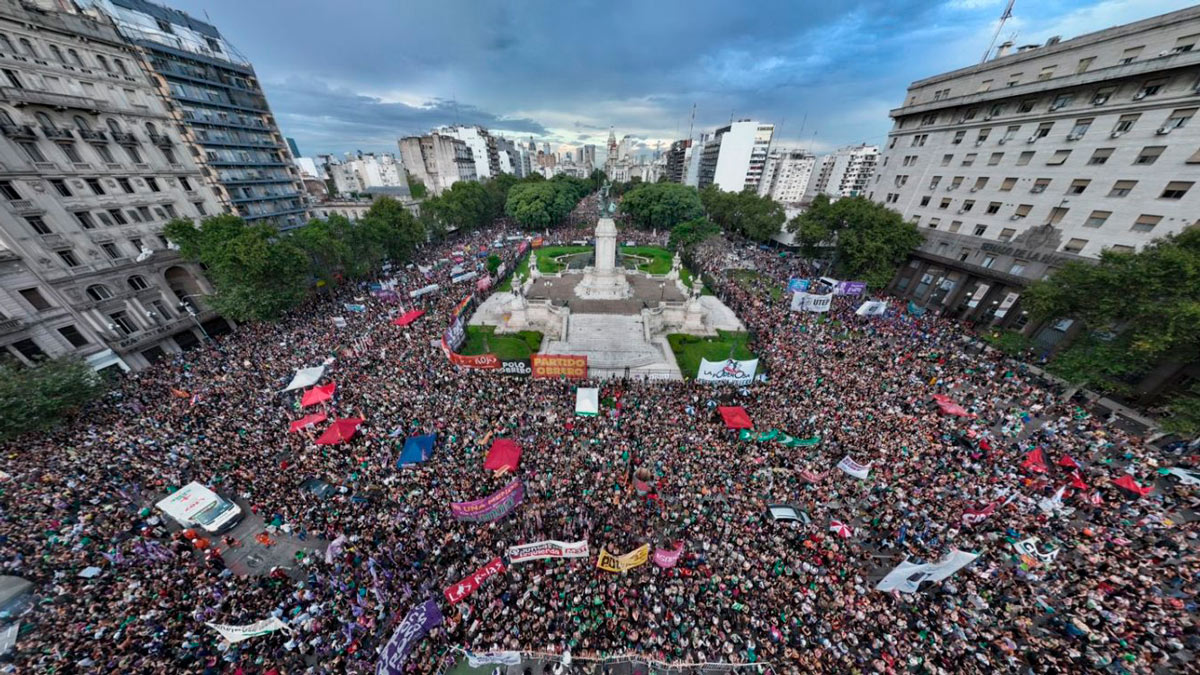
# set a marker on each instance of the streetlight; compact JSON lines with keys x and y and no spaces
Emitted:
{"x":186,"y":306}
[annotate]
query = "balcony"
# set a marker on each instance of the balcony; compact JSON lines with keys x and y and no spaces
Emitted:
{"x":21,"y":97}
{"x":93,"y":135}
{"x":161,"y":141}
{"x":124,"y":138}
{"x":54,"y":240}
{"x":25,"y":207}
{"x":55,"y":133}
{"x":23,"y":131}
{"x":10,"y":326}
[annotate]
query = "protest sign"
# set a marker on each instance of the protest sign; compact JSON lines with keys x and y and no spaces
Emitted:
{"x":473,"y":581}
{"x":552,"y":549}
{"x":807,"y":302}
{"x":668,"y":557}
{"x":854,"y":468}
{"x":872,"y":308}
{"x":730,"y":371}
{"x":907,"y":577}
{"x":236,"y":634}
{"x":416,"y":625}
{"x":493,"y":507}
{"x":623,"y":563}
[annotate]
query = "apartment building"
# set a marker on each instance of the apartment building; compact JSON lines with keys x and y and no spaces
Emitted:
{"x":484,"y":150}
{"x":216,"y":99}
{"x":437,"y":160}
{"x":1014,"y":167}
{"x":734,"y":157}
{"x":91,"y":168}
{"x":846,"y":172}
{"x":361,"y":173}
{"x":786,"y":175}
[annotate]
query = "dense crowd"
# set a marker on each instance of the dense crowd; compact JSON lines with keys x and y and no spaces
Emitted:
{"x":1119,"y":595}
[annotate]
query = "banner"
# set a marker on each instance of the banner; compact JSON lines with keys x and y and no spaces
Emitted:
{"x":493,"y":658}
{"x":635,"y":558}
{"x":479,"y":361}
{"x":423,"y":290}
{"x":730,"y":371}
{"x":798,"y":285}
{"x":854,"y":468}
{"x":473,"y":581}
{"x":455,"y":335}
{"x":1006,"y":304}
{"x":1031,"y":547}
{"x":236,"y":634}
{"x":587,"y":401}
{"x":664,"y":557}
{"x":351,"y":307}
{"x":976,"y":516}
{"x":807,"y":302}
{"x":552,"y":549}
{"x":977,"y":296}
{"x":906,"y":577}
{"x":416,"y":624}
{"x":850,"y":288}
{"x":559,"y":365}
{"x":872,"y":308}
{"x":779,"y":437}
{"x":520,"y":367}
{"x":492,"y":507}
{"x":914,"y":309}
{"x":463,"y":277}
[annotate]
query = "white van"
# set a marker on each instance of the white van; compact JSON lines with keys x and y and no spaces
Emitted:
{"x":194,"y":505}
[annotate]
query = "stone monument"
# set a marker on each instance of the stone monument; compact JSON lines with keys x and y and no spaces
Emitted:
{"x":604,"y":280}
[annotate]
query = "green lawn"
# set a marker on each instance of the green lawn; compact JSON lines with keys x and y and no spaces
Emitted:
{"x":522,"y":271}
{"x":689,"y":349}
{"x":546,"y":254}
{"x":660,"y":258}
{"x":482,"y":340}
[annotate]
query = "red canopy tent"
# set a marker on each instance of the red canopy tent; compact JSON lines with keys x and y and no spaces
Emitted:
{"x":1127,"y":482}
{"x":408,"y":317}
{"x":340,"y":431}
{"x":504,"y":453}
{"x":950,"y":407}
{"x":317,"y":395}
{"x":735,"y":417}
{"x":308,"y":421}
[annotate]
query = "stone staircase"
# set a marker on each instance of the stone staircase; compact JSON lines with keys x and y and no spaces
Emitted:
{"x":609,"y":341}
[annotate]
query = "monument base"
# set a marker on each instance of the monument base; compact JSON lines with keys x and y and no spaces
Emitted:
{"x":603,"y":285}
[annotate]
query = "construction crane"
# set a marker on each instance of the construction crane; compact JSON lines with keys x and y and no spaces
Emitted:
{"x":1003,"y":18}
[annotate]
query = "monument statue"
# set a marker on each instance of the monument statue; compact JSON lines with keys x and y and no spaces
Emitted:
{"x":604,"y":280}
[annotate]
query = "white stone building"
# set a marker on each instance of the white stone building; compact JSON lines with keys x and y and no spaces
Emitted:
{"x":359,"y":173}
{"x":91,"y":168}
{"x":845,"y":172}
{"x":482,"y":145}
{"x":786,"y":175}
{"x":733,"y":159}
{"x":437,"y":160}
{"x":1013,"y":167}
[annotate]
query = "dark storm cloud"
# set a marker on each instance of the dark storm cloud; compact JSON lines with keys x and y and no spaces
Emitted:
{"x":335,"y":71}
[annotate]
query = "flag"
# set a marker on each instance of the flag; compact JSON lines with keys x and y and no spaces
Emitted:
{"x":1066,"y":461}
{"x":1131,"y":485}
{"x":179,"y":393}
{"x":1008,"y":11}
{"x":1035,"y":461}
{"x":974,"y":517}
{"x":1077,"y":481}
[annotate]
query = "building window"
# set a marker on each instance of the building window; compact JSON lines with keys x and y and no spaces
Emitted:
{"x":946,"y":159}
{"x":117,"y":216}
{"x":1084,"y":64}
{"x":1186,"y":43}
{"x":1057,"y":214}
{"x":1027,"y":105}
{"x":10,"y":193}
{"x":152,"y":183}
{"x":933,"y":182}
{"x":1009,"y":134}
{"x":138,"y":283}
{"x":958,"y":137}
{"x":1018,"y":267}
{"x":967,"y":205}
{"x":126,"y":185}
{"x":71,"y":152}
{"x":32,"y":151}
{"x":1040,"y":185}
{"x":1078,"y":186}
{"x":930,"y":118}
{"x":60,"y":186}
{"x":995,"y":158}
{"x":68,"y":258}
{"x":980,"y":183}
{"x":1100,"y":156}
{"x":200,"y":205}
{"x":933,"y":223}
{"x":993,"y":208}
{"x":1025,"y":158}
{"x":980,"y":230}
{"x":1176,"y":189}
{"x":955,"y":225}
{"x":1007,"y":234}
{"x":85,"y":220}
{"x":1150,"y":88}
{"x":105,"y":153}
{"x":969,"y":159}
{"x":1125,"y":124}
{"x":1149,"y":154}
{"x":37,"y":224}
{"x":956,"y":183}
{"x":983,"y":136}
{"x":134,"y":155}
{"x":72,"y":335}
{"x":1145,"y":223}
{"x":1081,"y":127}
{"x":1177,"y":119}
{"x":94,"y":185}
{"x":988,"y":261}
{"x":1130,"y":55}
{"x":1059,"y":157}
{"x":29,"y":349}
{"x":35,"y":298}
{"x":1047,"y":73}
{"x":1022,"y":211}
{"x":1061,"y":101}
{"x":121,"y":323}
{"x":945,"y":203}
{"x":13,"y":80}
{"x":1097,"y":219}
{"x":1075,"y":245}
{"x":1008,"y":184}
{"x":110,"y":250}
{"x":99,"y":292}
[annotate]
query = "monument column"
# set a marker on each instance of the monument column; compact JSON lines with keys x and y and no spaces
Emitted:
{"x":606,"y":245}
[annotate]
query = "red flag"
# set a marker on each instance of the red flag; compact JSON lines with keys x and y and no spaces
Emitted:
{"x":974,"y":517}
{"x":317,"y":395}
{"x":179,"y":393}
{"x":1077,"y":481}
{"x":1128,"y":483}
{"x":1035,"y":461}
{"x":1066,"y":461}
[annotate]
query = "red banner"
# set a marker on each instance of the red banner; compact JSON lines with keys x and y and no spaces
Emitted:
{"x":469,"y":585}
{"x":537,"y":242}
{"x":479,"y":361}
{"x":559,"y":365}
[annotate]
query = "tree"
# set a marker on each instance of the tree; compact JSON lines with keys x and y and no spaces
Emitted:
{"x":692,"y":232}
{"x":404,"y":232}
{"x":661,"y":205}
{"x":416,"y":187}
{"x":746,"y":213}
{"x":597,"y":179}
{"x":869,"y":240}
{"x":1139,"y":311}
{"x":532,"y":204}
{"x":34,"y":399}
{"x":492,"y":263}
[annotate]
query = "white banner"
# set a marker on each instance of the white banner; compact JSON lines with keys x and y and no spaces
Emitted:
{"x":906,"y":577}
{"x":8,"y":638}
{"x":236,"y":634}
{"x":872,"y":308}
{"x":730,"y":371}
{"x":306,"y":377}
{"x":854,"y":468}
{"x":494,"y":658}
{"x":539,"y":550}
{"x":587,"y":401}
{"x":1006,"y":304}
{"x":423,"y":290}
{"x":463,"y":277}
{"x":807,"y":302}
{"x":1032,"y":547}
{"x":977,"y":296}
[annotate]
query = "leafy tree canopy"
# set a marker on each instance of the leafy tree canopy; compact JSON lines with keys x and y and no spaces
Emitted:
{"x":692,"y":232}
{"x":745,"y":213}
{"x":34,"y":399}
{"x":870,"y":241}
{"x":661,"y":205}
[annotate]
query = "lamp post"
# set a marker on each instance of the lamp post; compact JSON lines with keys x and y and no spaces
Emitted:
{"x":186,"y":306}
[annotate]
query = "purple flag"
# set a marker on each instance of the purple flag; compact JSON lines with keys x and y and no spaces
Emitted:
{"x":416,"y":624}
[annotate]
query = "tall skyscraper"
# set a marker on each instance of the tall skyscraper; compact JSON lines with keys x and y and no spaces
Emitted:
{"x":733,"y":160}
{"x":91,"y":169}
{"x":1016,"y":166}
{"x":216,"y":97}
{"x":589,"y":157}
{"x":291,"y":143}
{"x":676,"y":165}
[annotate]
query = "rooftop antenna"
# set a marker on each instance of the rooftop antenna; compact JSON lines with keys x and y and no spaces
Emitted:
{"x":1003,"y":18}
{"x":692,"y":123}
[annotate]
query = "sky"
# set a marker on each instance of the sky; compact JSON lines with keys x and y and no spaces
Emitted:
{"x":357,"y":74}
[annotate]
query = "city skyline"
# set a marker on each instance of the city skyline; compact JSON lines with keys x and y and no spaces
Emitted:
{"x":519,"y":73}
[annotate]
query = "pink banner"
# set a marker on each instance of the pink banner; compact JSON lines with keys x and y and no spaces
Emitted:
{"x":491,"y":507}
{"x":666,"y":557}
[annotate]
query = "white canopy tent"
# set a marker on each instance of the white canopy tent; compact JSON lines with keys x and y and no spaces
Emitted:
{"x":306,"y":377}
{"x":587,"y":401}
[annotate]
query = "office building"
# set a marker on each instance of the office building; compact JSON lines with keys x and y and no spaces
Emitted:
{"x":1016,"y":166}
{"x":295,"y":149}
{"x":367,"y":173}
{"x":786,"y":175}
{"x":91,"y":169}
{"x":846,"y":172}
{"x":733,"y":160}
{"x":676,"y":165}
{"x":589,"y":157}
{"x":215,"y":97}
{"x":437,"y":160}
{"x":482,"y":145}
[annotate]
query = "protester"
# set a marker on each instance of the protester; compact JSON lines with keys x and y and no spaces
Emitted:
{"x":1118,"y":595}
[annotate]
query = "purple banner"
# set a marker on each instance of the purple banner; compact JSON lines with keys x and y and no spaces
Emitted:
{"x":492,"y":507}
{"x":668,"y":557}
{"x":416,"y":624}
{"x":850,"y":288}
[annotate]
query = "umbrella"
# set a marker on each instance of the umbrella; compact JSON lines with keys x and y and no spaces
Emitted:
{"x":308,"y":421}
{"x":340,"y":431}
{"x":841,"y":529}
{"x":317,"y":395}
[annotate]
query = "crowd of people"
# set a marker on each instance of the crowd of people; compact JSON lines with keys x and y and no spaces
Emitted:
{"x":1118,"y":595}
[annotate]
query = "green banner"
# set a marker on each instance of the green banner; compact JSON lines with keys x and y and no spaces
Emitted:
{"x":779,"y":437}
